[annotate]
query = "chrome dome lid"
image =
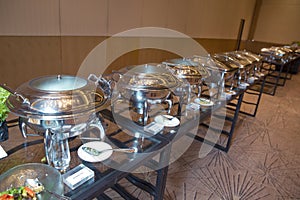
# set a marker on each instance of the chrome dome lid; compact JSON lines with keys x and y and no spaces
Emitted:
{"x":148,"y":77}
{"x":56,"y":97}
{"x":212,"y":64}
{"x":148,"y":82}
{"x":244,"y":60}
{"x":251,"y":56}
{"x":228,"y":61}
{"x":273,"y":51}
{"x":187,"y":68}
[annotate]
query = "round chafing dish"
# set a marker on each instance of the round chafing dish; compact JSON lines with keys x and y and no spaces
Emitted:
{"x":229,"y":60}
{"x":62,"y":103}
{"x":56,"y":97}
{"x":147,"y":82}
{"x":187,"y":69}
{"x":193,"y":72}
{"x":144,"y":85}
{"x":57,"y":107}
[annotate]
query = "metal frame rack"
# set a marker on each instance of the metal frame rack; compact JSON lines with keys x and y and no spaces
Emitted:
{"x":234,"y":104}
{"x":255,"y":91}
{"x":275,"y":71}
{"x":230,"y":119}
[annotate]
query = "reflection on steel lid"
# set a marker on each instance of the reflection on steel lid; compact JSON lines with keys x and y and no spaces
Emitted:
{"x":57,"y":97}
{"x":148,"y":76}
{"x":251,"y":56}
{"x":228,"y":61}
{"x":185,"y":67}
{"x":212,"y":63}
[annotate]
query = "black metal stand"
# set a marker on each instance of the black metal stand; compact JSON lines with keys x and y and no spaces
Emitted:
{"x":229,"y":119}
{"x":255,"y":90}
{"x":156,"y":190}
{"x":278,"y":73}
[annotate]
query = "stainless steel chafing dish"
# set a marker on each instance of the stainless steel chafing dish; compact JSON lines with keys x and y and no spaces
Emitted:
{"x":221,"y":73}
{"x":251,"y":56}
{"x":256,"y":63}
{"x":275,"y":54}
{"x":64,"y":104}
{"x":242,"y":59}
{"x":250,"y":64}
{"x":59,"y":107}
{"x":189,"y":70}
{"x":145,"y":85}
{"x":230,"y":60}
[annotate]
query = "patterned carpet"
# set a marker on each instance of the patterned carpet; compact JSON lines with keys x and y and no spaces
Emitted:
{"x":263,"y":161}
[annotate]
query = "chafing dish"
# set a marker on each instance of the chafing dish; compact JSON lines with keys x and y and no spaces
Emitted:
{"x":221,"y":73}
{"x":238,"y":57}
{"x":145,"y":85}
{"x":236,"y":62}
{"x":256,"y":63}
{"x":63,"y":105}
{"x":189,"y":70}
{"x":250,"y":64}
{"x":278,"y":55}
{"x":251,"y":56}
{"x":56,"y":97}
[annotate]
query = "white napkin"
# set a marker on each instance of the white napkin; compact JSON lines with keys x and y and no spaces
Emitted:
{"x":3,"y":154}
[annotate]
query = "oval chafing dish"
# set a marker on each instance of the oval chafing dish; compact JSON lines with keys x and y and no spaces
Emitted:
{"x":231,"y":61}
{"x":251,"y":56}
{"x":221,"y":73}
{"x":274,"y":54}
{"x":214,"y":64}
{"x":238,"y":57}
{"x":256,"y":62}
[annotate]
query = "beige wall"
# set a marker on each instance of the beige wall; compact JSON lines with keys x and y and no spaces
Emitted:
{"x":29,"y":17}
{"x":196,"y":18}
{"x":218,"y":18}
{"x":54,"y":36}
{"x":278,"y":21}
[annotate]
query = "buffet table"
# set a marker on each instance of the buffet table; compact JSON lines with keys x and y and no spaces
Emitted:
{"x":30,"y":150}
{"x":154,"y":151}
{"x":279,"y":67}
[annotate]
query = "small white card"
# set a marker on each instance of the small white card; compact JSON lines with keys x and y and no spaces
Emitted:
{"x":3,"y":153}
{"x":154,"y":128}
{"x":77,"y":176}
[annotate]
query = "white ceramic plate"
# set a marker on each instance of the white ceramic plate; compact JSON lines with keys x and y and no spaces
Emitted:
{"x":230,"y":92}
{"x":98,"y":146}
{"x":167,"y":120}
{"x":204,"y":102}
